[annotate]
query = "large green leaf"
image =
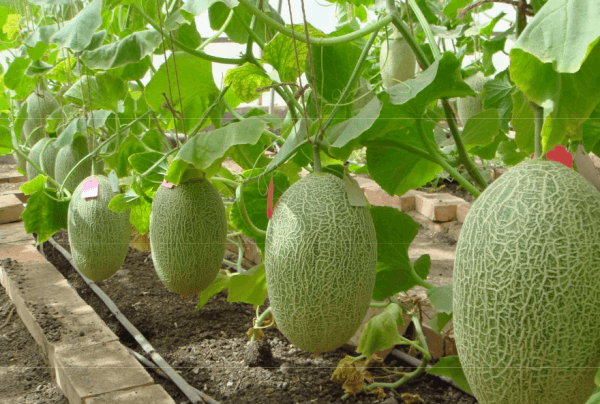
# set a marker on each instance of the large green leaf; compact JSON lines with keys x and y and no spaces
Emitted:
{"x":245,"y":80}
{"x":42,"y":34}
{"x":497,"y":94}
{"x":140,"y":209}
{"x":349,"y":130}
{"x":397,"y":170}
{"x":391,"y":117}
{"x":44,"y":213}
{"x":481,"y":129}
{"x":120,"y":160}
{"x":440,"y":298}
{"x":249,"y":287}
{"x":442,"y":79}
{"x":333,"y":67}
{"x":219,"y":11}
{"x":381,"y":332}
{"x":105,"y":89}
{"x":77,"y":33}
{"x":568,"y":98}
{"x":196,"y":85}
{"x":219,"y":283}
{"x":562,"y":34}
{"x":131,"y":49}
{"x":141,"y":162}
{"x":205,"y":149}
{"x":197,"y":7}
{"x":15,"y":78}
{"x":591,"y":131}
{"x":523,"y":123}
{"x":395,"y":231}
{"x":280,"y":54}
{"x":450,"y":366}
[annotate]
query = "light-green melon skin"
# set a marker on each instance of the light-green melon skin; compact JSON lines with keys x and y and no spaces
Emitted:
{"x":188,"y":235}
{"x":320,"y":262}
{"x":67,"y":158}
{"x":46,"y":162}
{"x":470,"y":106}
{"x":526,"y":294}
{"x":99,"y":237}
{"x":397,"y":62}
{"x":40,"y":105}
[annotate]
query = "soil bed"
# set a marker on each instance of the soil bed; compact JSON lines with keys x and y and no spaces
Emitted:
{"x":25,"y":377}
{"x":209,"y":348}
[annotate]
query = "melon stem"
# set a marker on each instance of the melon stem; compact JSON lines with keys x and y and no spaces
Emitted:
{"x":538,"y":117}
{"x":260,"y":320}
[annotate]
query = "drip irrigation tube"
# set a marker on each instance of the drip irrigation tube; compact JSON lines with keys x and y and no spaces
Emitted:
{"x":194,"y":395}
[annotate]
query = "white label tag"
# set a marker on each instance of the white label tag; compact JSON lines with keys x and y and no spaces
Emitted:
{"x":167,"y":184}
{"x":90,"y":189}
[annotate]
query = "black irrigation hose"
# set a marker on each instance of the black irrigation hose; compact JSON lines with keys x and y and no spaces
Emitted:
{"x":194,"y":395}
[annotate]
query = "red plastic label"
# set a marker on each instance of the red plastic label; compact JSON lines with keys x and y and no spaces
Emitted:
{"x":270,"y":199}
{"x":167,"y":184}
{"x":561,"y":155}
{"x":90,"y":189}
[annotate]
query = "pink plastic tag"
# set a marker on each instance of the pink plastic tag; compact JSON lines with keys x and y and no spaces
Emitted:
{"x":90,"y":189}
{"x":167,"y":184}
{"x":561,"y":155}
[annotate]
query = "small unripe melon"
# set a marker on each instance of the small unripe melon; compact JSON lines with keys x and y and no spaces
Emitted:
{"x":469,"y":106}
{"x":46,"y":162}
{"x":526,"y":294}
{"x":320,"y":262}
{"x":67,"y":158}
{"x":188,"y":234}
{"x":396,"y":60}
{"x":99,"y":237}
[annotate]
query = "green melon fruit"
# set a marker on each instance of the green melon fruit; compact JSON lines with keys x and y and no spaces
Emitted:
{"x":47,"y":162}
{"x":469,"y":106}
{"x":66,"y":159}
{"x":99,"y":237}
{"x":526,"y":293}
{"x":397,"y":61}
{"x":40,"y":104}
{"x":188,"y":234}
{"x":321,"y":263}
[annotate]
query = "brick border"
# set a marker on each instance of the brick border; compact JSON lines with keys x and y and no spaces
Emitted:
{"x":88,"y":362}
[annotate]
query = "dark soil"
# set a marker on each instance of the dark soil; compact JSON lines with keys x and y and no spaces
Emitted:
{"x":25,"y":377}
{"x":210,"y":349}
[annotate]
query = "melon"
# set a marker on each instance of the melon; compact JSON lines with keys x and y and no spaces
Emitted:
{"x":364,"y":94}
{"x":99,"y":238}
{"x":40,"y":104}
{"x":46,"y":162}
{"x":397,"y":62}
{"x":526,"y":294}
{"x":67,"y":158}
{"x":188,"y":234}
{"x":469,"y":106}
{"x":320,"y":262}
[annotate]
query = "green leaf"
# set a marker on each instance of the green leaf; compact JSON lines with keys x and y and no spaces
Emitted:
{"x":442,"y":79}
{"x":396,"y":170}
{"x":355,"y":195}
{"x":255,"y":200}
{"x":249,"y":287}
{"x":77,"y":33}
{"x":280,"y":54}
{"x":37,"y":68}
{"x":140,"y":209}
{"x":131,"y":49}
{"x":245,"y":80}
{"x":422,"y":264}
{"x":591,"y":130}
{"x":43,"y":214}
{"x":348,"y":131}
{"x":523,"y":123}
{"x":391,"y":117}
{"x":153,"y":139}
{"x":197,"y":7}
{"x":206,"y":148}
{"x":219,"y":283}
{"x":198,"y":89}
{"x":235,"y":31}
{"x":440,"y":298}
{"x":141,"y":162}
{"x":34,"y":185}
{"x":497,"y":94}
{"x":509,"y":154}
{"x":333,"y":67}
{"x":120,"y":161}
{"x":450,"y":366}
{"x":76,"y":127}
{"x":357,"y":3}
{"x":42,"y":34}
{"x":562,"y":34}
{"x":560,"y":76}
{"x":381,"y":332}
{"x":439,"y":321}
{"x":15,"y":78}
{"x":5,"y":138}
{"x":481,"y":129}
{"x":395,"y":231}
{"x":451,"y":9}
{"x":106,"y":91}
